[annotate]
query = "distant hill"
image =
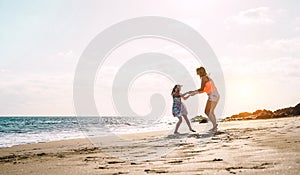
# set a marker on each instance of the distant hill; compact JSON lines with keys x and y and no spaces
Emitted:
{"x":266,"y":114}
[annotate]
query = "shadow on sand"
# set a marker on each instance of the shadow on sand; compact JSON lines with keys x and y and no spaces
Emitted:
{"x":207,"y":134}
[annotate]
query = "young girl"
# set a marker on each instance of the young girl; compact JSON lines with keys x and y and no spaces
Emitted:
{"x":179,"y":109}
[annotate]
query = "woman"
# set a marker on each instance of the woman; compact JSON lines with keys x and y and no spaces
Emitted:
{"x":208,"y":86}
{"x":179,"y":110}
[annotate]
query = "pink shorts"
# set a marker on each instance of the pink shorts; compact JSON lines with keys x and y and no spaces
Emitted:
{"x":214,"y":96}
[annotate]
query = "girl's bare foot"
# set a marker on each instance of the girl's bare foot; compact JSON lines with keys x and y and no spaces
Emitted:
{"x":192,"y":130}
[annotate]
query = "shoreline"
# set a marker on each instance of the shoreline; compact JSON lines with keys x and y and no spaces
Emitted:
{"x":141,"y":134}
{"x":240,"y":147}
{"x":63,"y":128}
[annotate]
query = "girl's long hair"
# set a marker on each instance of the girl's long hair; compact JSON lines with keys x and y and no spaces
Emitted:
{"x":174,"y":89}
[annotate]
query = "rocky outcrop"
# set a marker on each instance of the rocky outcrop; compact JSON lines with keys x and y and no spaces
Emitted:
{"x":285,"y":112}
{"x":199,"y":119}
{"x":266,"y":114}
{"x":296,"y":110}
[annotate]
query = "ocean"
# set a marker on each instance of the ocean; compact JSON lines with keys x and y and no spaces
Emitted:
{"x":25,"y":130}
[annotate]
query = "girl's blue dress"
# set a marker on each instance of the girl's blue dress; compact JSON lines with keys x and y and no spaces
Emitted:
{"x":179,"y":108}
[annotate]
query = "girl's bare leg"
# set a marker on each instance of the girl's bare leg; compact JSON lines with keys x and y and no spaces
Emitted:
{"x":178,"y":124}
{"x":188,"y":123}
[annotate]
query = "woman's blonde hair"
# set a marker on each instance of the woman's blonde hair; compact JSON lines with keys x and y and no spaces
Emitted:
{"x":201,"y":71}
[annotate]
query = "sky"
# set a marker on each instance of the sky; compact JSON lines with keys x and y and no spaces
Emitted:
{"x":257,"y":43}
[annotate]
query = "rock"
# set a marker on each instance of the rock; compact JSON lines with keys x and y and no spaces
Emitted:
{"x":199,"y":119}
{"x":264,"y":114}
{"x":41,"y":154}
{"x":296,"y":110}
{"x":244,"y":114}
{"x":283,"y":112}
{"x":257,"y":112}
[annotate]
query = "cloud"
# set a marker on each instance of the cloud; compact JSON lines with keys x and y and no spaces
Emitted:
{"x":283,"y":67}
{"x":265,"y":49}
{"x":65,"y":54}
{"x":35,"y":94}
{"x":3,"y":70}
{"x":276,"y":47}
{"x":260,"y":15}
{"x":270,"y":58}
{"x":296,"y":29}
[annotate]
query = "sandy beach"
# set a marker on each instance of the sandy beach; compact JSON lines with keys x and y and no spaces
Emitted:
{"x":239,"y":147}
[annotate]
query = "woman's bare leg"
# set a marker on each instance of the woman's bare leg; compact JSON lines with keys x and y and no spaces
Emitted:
{"x":177,"y":125}
{"x":212,"y":113}
{"x":209,"y":111}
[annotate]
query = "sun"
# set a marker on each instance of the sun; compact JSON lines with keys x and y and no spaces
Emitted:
{"x":245,"y":89}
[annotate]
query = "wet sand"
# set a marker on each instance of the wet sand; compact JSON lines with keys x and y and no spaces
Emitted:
{"x":239,"y":147}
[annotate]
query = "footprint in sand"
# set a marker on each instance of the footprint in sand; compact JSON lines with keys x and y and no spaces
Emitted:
{"x":176,"y":162}
{"x":155,"y":171}
{"x":115,"y":162}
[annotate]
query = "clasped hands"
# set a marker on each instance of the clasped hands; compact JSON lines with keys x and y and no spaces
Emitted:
{"x":192,"y":93}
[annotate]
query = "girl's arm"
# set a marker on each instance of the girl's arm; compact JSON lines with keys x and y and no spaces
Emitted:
{"x":185,"y":97}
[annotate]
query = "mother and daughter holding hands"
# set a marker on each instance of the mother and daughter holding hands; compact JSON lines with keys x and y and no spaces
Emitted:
{"x":207,"y":85}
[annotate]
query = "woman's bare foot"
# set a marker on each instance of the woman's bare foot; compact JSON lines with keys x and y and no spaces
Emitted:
{"x":215,"y":128}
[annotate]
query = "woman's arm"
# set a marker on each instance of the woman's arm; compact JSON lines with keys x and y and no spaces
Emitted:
{"x":199,"y":91}
{"x":185,"y":93}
